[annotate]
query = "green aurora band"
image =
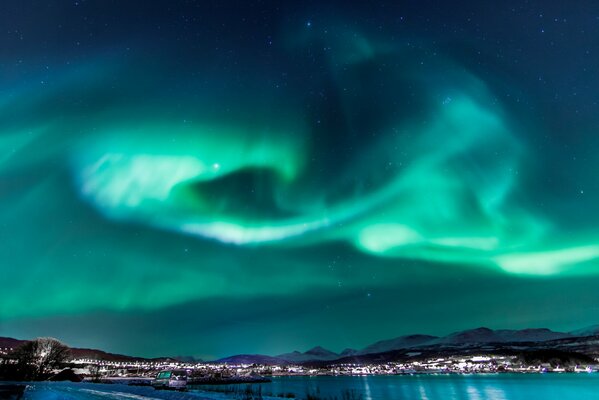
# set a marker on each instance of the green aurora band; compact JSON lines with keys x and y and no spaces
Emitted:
{"x":439,"y":179}
{"x":443,"y":189}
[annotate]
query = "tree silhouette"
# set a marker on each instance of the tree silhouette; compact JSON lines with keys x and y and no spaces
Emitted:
{"x":37,"y":357}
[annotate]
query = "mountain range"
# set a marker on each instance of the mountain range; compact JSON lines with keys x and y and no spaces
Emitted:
{"x":585,"y":340}
{"x":469,"y":339}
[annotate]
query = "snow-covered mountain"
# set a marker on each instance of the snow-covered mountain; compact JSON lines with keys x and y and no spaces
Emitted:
{"x":348,"y":352}
{"x":469,"y":338}
{"x":315,"y":354}
{"x":592,"y":330}
{"x":486,"y":335}
{"x":478,"y":335}
{"x":402,"y":342}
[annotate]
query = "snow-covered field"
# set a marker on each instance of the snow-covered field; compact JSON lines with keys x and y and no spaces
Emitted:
{"x":96,"y":391}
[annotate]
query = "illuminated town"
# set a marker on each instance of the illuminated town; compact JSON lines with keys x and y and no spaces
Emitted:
{"x":239,"y":372}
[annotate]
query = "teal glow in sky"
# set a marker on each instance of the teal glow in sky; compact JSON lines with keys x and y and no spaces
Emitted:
{"x":263,"y":192}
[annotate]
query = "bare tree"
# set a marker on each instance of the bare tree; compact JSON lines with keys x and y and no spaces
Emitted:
{"x":37,"y":357}
{"x":95,"y":372}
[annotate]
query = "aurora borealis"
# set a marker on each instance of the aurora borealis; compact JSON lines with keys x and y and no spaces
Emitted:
{"x":216,"y":178}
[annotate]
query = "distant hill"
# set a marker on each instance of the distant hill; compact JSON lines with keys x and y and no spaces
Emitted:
{"x":188,"y":359}
{"x":93,"y":354}
{"x":10,"y":343}
{"x":251,"y":359}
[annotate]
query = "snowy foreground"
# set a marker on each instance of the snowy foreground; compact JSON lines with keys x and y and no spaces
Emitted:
{"x":98,"y":391}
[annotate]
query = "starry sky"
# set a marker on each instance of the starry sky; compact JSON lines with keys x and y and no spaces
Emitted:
{"x":209,"y":178}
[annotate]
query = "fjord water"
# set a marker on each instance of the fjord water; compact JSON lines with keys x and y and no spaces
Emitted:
{"x":446,"y":387}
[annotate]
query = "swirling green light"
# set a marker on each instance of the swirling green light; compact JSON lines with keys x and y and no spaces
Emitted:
{"x":450,"y":200}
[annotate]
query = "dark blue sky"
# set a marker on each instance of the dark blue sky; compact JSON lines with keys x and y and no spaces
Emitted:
{"x":210,"y":178}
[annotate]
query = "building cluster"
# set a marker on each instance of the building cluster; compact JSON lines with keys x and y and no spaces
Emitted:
{"x":440,"y":365}
{"x":5,"y":350}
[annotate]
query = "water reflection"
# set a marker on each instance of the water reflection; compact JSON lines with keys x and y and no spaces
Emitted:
{"x":422,"y":392}
{"x":445,"y":387}
{"x":368,"y":395}
{"x":473,"y":393}
{"x":494,"y":393}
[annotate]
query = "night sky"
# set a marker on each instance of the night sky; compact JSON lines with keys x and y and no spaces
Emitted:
{"x":211,"y":178}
